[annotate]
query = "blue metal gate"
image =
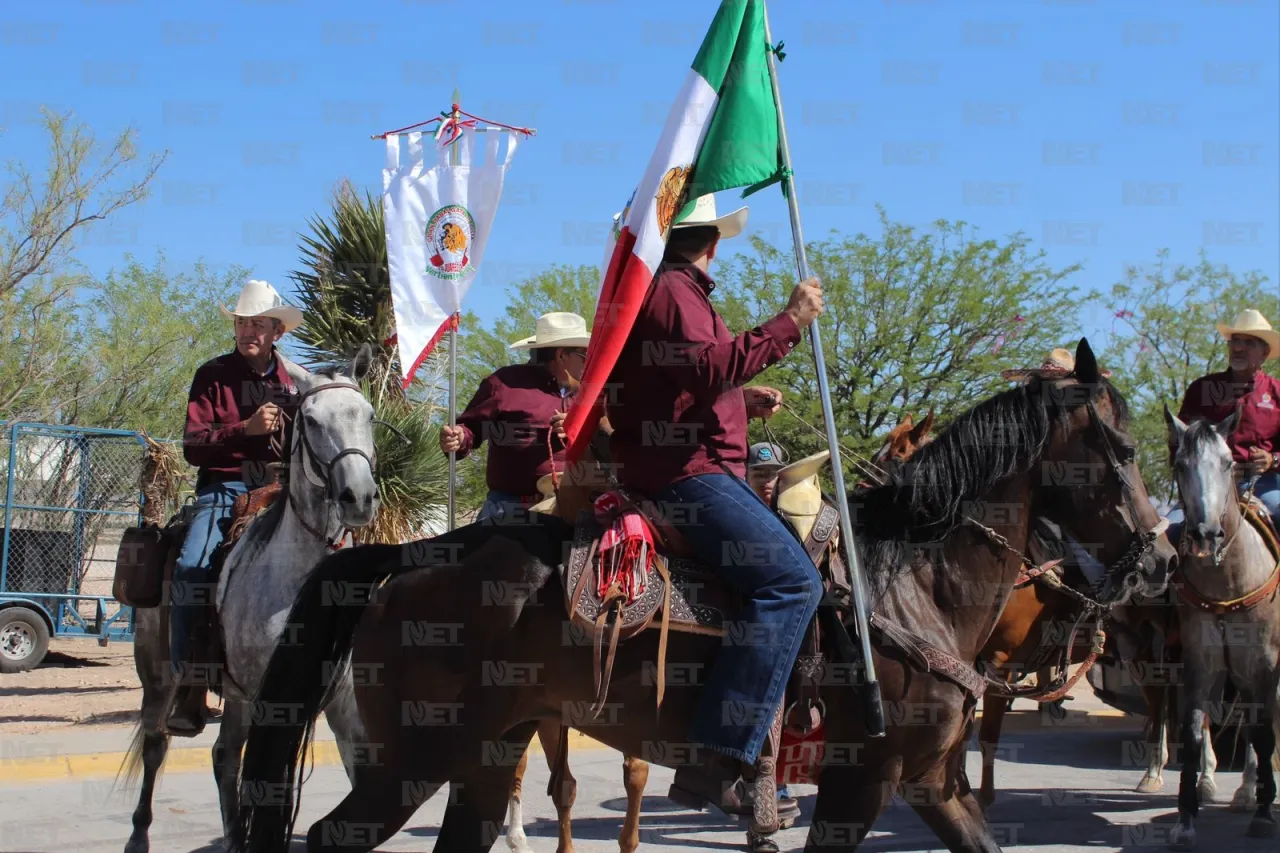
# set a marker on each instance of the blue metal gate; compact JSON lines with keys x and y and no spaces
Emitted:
{"x":69,"y":493}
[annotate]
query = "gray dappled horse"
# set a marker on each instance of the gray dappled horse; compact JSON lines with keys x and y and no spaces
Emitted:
{"x":1228,"y":616}
{"x":331,"y":489}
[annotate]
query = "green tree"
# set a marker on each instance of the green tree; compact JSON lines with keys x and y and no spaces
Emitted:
{"x":117,"y":353}
{"x":146,"y":332}
{"x":83,"y":184}
{"x":914,"y":319}
{"x":1166,"y":337}
{"x":344,"y":292}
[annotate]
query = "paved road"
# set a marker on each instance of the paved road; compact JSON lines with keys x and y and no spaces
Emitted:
{"x":1064,"y":787}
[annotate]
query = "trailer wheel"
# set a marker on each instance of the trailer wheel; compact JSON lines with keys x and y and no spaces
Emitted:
{"x":24,"y":640}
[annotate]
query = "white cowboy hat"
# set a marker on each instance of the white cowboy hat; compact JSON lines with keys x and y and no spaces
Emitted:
{"x":259,"y":299}
{"x":704,"y":213}
{"x":1251,"y":322}
{"x":557,"y":329}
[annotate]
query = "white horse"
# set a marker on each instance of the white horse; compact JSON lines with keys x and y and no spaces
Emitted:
{"x":1230,"y":622}
{"x":331,"y":489}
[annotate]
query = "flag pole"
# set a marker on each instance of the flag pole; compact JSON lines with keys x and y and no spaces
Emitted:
{"x":453,"y":350}
{"x":861,"y":609}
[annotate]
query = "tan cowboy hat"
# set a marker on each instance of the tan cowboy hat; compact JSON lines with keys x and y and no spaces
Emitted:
{"x":1058,"y":362}
{"x":557,"y":329}
{"x":1251,"y":322}
{"x":800,"y":493}
{"x":704,"y":213}
{"x":259,"y":299}
{"x":1059,"y":358}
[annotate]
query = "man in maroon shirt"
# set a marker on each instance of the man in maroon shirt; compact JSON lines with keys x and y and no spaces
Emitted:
{"x":520,"y":410}
{"x":680,"y":436}
{"x":235,"y":404}
{"x":1245,"y":388}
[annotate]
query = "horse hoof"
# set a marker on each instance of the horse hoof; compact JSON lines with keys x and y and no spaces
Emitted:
{"x":1262,"y":827}
{"x":1242,"y":801}
{"x":1207,"y":789}
{"x":1182,"y":839}
{"x":1150,"y":785}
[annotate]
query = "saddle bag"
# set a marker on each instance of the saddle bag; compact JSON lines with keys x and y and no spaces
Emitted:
{"x":144,"y":559}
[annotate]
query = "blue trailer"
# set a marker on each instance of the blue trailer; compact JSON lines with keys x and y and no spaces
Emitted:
{"x":68,"y":494}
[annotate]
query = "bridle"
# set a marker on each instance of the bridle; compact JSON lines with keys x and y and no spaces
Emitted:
{"x":1097,"y":602}
{"x":1127,"y":566}
{"x":322,"y":478}
{"x":1221,"y":550}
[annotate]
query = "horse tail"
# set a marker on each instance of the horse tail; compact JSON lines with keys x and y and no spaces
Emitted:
{"x":131,"y":768}
{"x":304,"y":671}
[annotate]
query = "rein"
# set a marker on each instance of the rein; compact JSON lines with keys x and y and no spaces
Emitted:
{"x":1094,"y":605}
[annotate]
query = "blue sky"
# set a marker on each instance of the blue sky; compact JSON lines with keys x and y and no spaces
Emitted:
{"x":1103,"y":130}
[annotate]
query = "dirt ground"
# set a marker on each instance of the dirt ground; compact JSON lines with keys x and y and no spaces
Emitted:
{"x":79,"y":683}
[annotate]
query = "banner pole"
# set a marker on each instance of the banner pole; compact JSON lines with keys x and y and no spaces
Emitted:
{"x":861,"y":609}
{"x":453,"y":356}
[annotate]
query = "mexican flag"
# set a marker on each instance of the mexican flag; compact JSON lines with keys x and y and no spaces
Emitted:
{"x":721,"y":133}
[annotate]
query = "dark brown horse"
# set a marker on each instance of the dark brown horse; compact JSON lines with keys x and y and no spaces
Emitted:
{"x":900,"y":444}
{"x":939,"y":584}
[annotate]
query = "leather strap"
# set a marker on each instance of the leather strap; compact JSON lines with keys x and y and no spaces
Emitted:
{"x":823,"y":528}
{"x":660,"y":563}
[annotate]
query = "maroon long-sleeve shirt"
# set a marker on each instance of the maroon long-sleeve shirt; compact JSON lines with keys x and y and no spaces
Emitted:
{"x":1215,"y":396}
{"x":677,"y":405}
{"x":224,"y":394}
{"x":512,"y":410}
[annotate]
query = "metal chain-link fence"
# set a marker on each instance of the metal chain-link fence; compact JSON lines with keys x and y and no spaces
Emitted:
{"x":69,"y":493}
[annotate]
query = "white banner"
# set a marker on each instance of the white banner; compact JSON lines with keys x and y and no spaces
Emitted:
{"x":438,"y":219}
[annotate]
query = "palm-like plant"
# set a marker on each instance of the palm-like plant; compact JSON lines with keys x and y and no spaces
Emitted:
{"x":344,"y":291}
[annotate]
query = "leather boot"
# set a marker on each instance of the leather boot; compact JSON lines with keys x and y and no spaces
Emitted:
{"x":713,"y":781}
{"x":189,"y":714}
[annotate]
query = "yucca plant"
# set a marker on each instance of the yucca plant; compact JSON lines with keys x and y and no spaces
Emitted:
{"x":344,"y":291}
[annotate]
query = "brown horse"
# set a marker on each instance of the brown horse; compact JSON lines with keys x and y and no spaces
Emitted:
{"x":938,"y":581}
{"x":900,"y":444}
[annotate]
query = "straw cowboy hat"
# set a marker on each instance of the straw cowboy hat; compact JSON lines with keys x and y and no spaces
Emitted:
{"x":1251,"y":322}
{"x":259,"y":299}
{"x":800,"y":492}
{"x":704,"y":213}
{"x":557,"y":329}
{"x":1059,"y":362}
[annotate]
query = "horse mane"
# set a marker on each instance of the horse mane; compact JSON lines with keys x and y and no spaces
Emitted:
{"x":924,"y":499}
{"x":1200,"y":437}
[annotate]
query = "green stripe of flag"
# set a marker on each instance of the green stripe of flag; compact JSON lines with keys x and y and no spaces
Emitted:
{"x":740,"y":148}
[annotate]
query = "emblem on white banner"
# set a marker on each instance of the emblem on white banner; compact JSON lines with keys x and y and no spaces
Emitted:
{"x":450,"y":232}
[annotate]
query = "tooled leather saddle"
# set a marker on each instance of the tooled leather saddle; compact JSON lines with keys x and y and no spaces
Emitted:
{"x":678,"y":592}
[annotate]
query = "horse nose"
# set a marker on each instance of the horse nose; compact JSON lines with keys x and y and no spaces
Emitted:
{"x":1208,"y":532}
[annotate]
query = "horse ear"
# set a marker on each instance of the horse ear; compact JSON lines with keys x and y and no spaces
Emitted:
{"x":1176,"y":428}
{"x":1086,"y":364}
{"x":922,"y":429}
{"x":362,"y":363}
{"x":1227,"y":425}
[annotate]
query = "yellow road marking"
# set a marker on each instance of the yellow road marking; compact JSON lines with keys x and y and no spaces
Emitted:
{"x":105,"y":765}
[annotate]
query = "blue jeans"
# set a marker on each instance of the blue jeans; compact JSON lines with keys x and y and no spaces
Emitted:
{"x":1267,"y":490}
{"x":497,"y":504}
{"x":191,"y":590}
{"x":731,"y":530}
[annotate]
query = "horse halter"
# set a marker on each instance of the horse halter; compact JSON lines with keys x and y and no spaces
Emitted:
{"x":1141,"y":542}
{"x":324,"y":478}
